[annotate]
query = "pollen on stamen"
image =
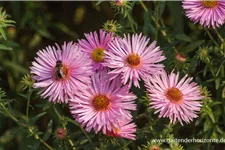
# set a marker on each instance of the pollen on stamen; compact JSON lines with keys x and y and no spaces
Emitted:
{"x":101,"y":102}
{"x":174,"y":95}
{"x":133,"y":60}
{"x":98,"y":54}
{"x":210,"y":4}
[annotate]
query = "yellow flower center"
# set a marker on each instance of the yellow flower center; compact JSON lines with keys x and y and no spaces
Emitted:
{"x":101,"y":102}
{"x":209,"y":4}
{"x":98,"y":55}
{"x":174,"y":95}
{"x":133,"y":60}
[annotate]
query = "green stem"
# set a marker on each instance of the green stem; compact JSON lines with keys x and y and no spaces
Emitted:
{"x":165,"y":34}
{"x":57,"y":113}
{"x":37,"y":137}
{"x":71,"y":143}
{"x":46,"y":144}
{"x":220,"y":68}
{"x":218,"y":34}
{"x":28,"y":103}
{"x":143,"y":6}
{"x":89,"y":139}
{"x":65,"y":145}
{"x":7,"y":113}
{"x":156,"y":19}
{"x":131,"y":22}
{"x":61,"y":118}
{"x":211,"y":37}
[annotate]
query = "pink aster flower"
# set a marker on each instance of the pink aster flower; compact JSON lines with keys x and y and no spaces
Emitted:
{"x":133,"y":58}
{"x":208,"y":13}
{"x":104,"y":103}
{"x":178,"y":100}
{"x":96,"y":46}
{"x":123,"y":128}
{"x":60,"y":72}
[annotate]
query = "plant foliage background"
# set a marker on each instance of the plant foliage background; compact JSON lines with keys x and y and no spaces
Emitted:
{"x":28,"y":122}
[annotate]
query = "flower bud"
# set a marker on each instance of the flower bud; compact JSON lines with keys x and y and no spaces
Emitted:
{"x":61,"y":133}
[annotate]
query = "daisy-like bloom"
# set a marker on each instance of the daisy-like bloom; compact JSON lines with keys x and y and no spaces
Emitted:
{"x":133,"y":58}
{"x":60,"y":72}
{"x":96,"y":46}
{"x":123,"y":128}
{"x":208,"y":13}
{"x":178,"y":100}
{"x":106,"y":102}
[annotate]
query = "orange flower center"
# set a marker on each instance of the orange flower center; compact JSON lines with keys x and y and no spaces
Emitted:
{"x":210,"y":4}
{"x":61,"y":71}
{"x":98,"y":55}
{"x":113,"y":133}
{"x":101,"y":102}
{"x":133,"y":60}
{"x":174,"y":95}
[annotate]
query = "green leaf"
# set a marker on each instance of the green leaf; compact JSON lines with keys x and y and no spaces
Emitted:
{"x":15,"y":66}
{"x":65,"y":29}
{"x":34,"y":119}
{"x":210,"y":113}
{"x":45,"y":105}
{"x":3,"y":47}
{"x":223,"y":93}
{"x":3,"y":34}
{"x":183,"y":37}
{"x":178,"y":19}
{"x":3,"y":25}
{"x":148,"y":24}
{"x":217,"y":82}
{"x":48,"y":131}
{"x":214,"y":104}
{"x":22,"y":95}
{"x":42,"y":31}
{"x":9,"y":21}
{"x":98,"y":3}
{"x":162,"y":6}
{"x":190,"y":47}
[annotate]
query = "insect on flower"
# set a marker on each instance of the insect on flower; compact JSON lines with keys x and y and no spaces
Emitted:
{"x":60,"y":71}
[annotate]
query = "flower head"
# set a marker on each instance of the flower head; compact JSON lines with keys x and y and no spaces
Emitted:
{"x":103,"y":104}
{"x":208,"y":13}
{"x":178,"y":100}
{"x":96,"y":46}
{"x":133,"y":58}
{"x":112,"y":26}
{"x":60,"y":72}
{"x":27,"y":81}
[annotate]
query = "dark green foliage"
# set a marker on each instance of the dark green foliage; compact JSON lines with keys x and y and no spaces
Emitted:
{"x":28,"y":122}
